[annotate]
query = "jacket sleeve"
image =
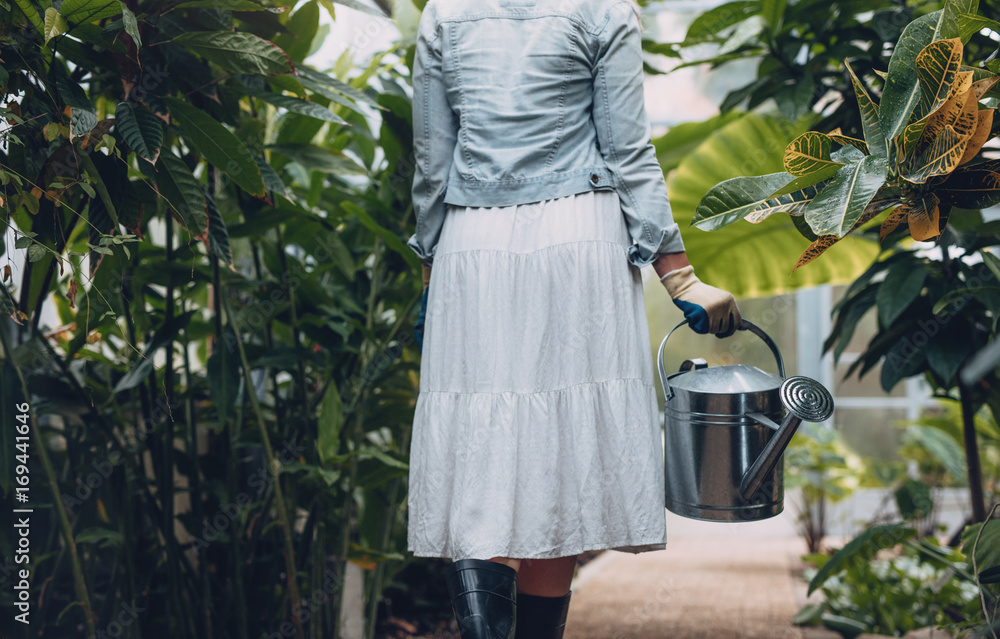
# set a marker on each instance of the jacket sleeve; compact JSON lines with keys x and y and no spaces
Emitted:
{"x":435,"y":132}
{"x":625,"y":138}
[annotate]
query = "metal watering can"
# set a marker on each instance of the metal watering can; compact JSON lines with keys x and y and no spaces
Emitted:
{"x":723,"y":443}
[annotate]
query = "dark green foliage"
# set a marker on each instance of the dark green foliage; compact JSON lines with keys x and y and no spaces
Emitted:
{"x":220,"y":398}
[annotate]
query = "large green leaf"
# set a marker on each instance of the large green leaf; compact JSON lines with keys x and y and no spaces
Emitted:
{"x":734,"y":199}
{"x":765,"y":252}
{"x":809,"y":153}
{"x":971,"y":23}
{"x":302,"y":27}
{"x":985,"y":538}
{"x":674,"y":145}
{"x":874,"y":138}
{"x":713,"y":22}
{"x":862,"y":548}
{"x":318,"y":158}
{"x":55,"y":24}
{"x":902,"y":86}
{"x":840,"y":205}
{"x":296,"y":105}
{"x":28,"y":7}
{"x":773,"y":11}
{"x":131,"y":24}
{"x":219,"y":145}
{"x":81,"y":11}
{"x":941,"y":446}
{"x":141,"y":129}
{"x":237,"y":51}
{"x":182,"y":194}
{"x":330,"y":87}
{"x":218,"y":235}
{"x":901,"y":288}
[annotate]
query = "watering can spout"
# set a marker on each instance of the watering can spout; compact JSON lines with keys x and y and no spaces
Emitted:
{"x":806,"y":400}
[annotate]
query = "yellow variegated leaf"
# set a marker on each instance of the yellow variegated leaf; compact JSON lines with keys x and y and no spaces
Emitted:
{"x":823,"y":242}
{"x":881,"y":74}
{"x":938,"y":66}
{"x":959,"y":112}
{"x":940,"y":158}
{"x":892,"y":222}
{"x":838,"y":136}
{"x":792,"y":203}
{"x":870,"y":124}
{"x":809,"y":153}
{"x":984,"y":129}
{"x":924,"y":217}
{"x":964,"y":81}
{"x":816,"y":249}
{"x":915,"y":137}
{"x":980,"y":87}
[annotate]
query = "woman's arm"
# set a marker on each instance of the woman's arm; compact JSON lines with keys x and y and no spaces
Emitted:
{"x":670,"y":262}
{"x":435,"y":134}
{"x":624,"y":138}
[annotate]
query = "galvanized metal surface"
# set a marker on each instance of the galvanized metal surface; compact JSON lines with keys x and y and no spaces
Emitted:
{"x":723,"y":446}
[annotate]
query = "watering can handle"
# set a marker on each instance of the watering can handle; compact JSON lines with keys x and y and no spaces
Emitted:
{"x":745,"y":325}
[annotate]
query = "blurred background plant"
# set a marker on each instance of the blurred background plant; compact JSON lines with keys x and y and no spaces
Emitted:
{"x":220,"y":396}
{"x":825,"y":471}
{"x":908,"y":154}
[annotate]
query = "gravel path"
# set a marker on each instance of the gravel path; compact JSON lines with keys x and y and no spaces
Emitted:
{"x":738,"y":581}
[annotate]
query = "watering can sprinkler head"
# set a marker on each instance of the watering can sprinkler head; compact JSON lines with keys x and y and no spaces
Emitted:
{"x":805,"y":399}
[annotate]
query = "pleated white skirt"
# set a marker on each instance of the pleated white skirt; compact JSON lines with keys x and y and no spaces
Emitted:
{"x":536,"y":432}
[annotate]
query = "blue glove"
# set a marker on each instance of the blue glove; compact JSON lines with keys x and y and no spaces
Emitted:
{"x":707,"y":309}
{"x":418,"y":328}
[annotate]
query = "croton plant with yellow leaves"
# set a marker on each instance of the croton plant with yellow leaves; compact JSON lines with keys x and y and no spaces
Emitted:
{"x":914,"y":164}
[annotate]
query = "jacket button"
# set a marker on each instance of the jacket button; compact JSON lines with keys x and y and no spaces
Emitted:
{"x":594,"y":178}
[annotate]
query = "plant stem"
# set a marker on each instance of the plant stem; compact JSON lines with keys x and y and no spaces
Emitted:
{"x":279,"y":499}
{"x":57,"y":503}
{"x":972,"y":454}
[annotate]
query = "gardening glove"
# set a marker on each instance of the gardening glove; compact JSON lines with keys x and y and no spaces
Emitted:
{"x":707,"y":309}
{"x":418,"y":328}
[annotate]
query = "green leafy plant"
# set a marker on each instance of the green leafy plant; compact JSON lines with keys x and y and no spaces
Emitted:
{"x":912,"y":164}
{"x":915,"y":167}
{"x":826,"y":471}
{"x":884,"y":582}
{"x":211,"y":319}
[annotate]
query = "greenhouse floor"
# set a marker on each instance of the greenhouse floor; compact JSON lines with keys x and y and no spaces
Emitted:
{"x":740,"y":581}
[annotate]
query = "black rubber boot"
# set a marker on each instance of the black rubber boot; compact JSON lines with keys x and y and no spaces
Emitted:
{"x":483,"y":596}
{"x":541,"y":617}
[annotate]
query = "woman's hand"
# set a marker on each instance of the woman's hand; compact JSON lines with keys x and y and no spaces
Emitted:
{"x":707,"y":309}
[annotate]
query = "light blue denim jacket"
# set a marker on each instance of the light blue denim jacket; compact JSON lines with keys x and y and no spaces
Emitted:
{"x":517,"y":101}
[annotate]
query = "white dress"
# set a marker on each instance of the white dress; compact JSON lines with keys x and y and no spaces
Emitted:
{"x":536,"y":431}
